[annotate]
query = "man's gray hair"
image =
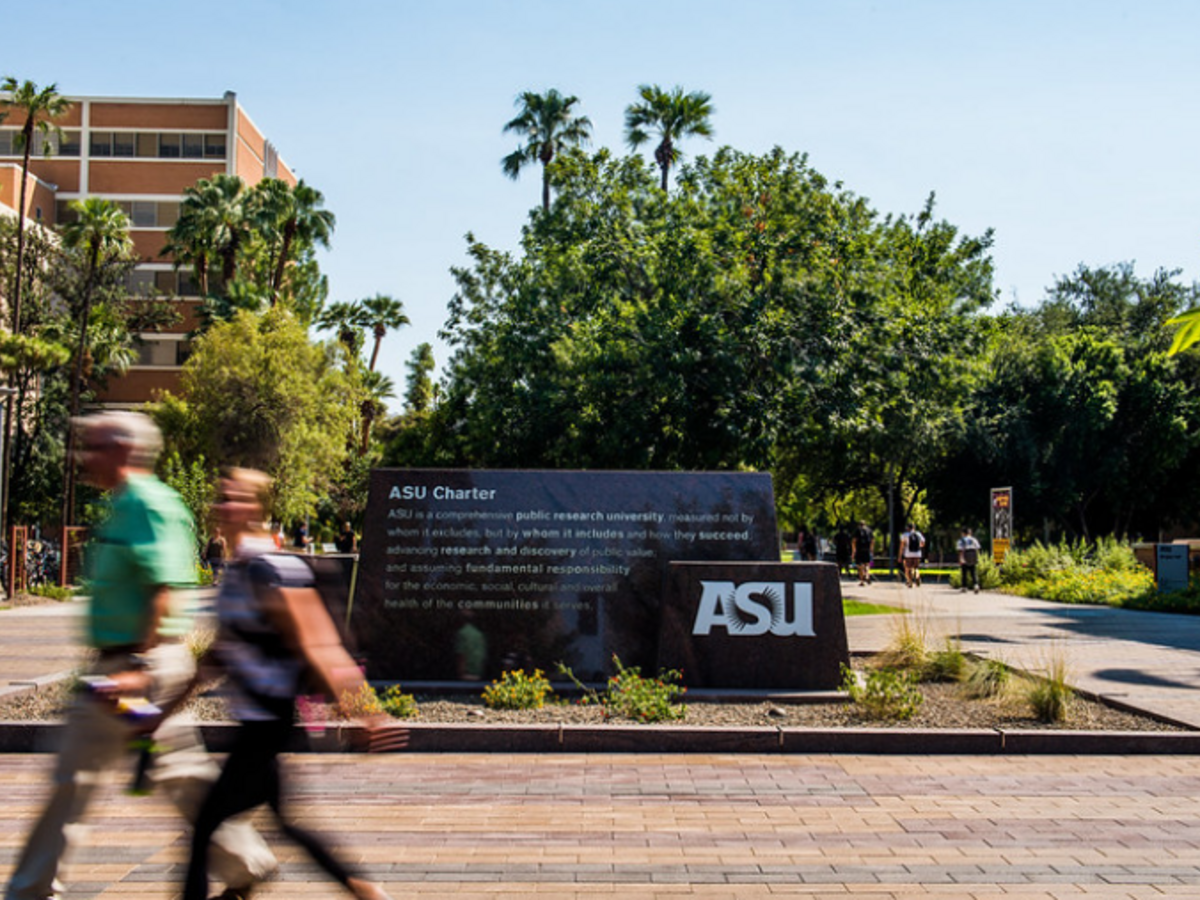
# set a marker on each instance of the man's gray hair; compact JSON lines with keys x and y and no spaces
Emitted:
{"x":128,"y":429}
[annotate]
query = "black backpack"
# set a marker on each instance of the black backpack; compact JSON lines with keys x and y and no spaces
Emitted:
{"x":914,"y":541}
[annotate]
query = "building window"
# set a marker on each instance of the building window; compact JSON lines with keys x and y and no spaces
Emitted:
{"x":124,"y":143}
{"x":170,"y":146}
{"x":100,"y":143}
{"x":141,"y":283}
{"x":65,"y":144}
{"x":144,"y":214}
{"x":145,"y":145}
{"x":193,"y":146}
{"x":163,"y":351}
{"x":187,"y":283}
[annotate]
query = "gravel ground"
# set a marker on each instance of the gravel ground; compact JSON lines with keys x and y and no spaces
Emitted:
{"x":944,"y":706}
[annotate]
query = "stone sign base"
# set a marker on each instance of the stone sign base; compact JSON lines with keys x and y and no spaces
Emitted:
{"x":754,"y":625}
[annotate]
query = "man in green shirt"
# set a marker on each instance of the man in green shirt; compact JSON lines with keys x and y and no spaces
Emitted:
{"x":138,"y":562}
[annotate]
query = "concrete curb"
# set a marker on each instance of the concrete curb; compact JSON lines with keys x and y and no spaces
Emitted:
{"x":37,"y":737}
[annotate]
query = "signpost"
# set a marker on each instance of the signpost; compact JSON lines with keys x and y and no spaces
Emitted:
{"x":1002,"y":523}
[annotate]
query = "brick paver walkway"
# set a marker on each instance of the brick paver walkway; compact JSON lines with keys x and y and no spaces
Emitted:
{"x":503,"y":826}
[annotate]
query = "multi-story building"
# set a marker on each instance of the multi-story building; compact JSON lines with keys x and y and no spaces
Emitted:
{"x":141,"y":153}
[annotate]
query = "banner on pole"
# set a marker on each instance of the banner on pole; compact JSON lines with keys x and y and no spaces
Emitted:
{"x":1001,"y":523}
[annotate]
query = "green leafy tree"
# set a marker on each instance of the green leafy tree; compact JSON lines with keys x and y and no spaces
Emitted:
{"x":420,"y":389}
{"x":257,"y":392}
{"x":546,"y":126}
{"x":1083,"y":411}
{"x":99,"y":231}
{"x":715,"y":328}
{"x":668,"y":117}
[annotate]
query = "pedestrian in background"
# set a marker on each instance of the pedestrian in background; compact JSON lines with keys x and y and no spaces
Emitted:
{"x":912,"y":549}
{"x":968,"y":559}
{"x":843,"y":547}
{"x":864,"y":553}
{"x":141,"y":557}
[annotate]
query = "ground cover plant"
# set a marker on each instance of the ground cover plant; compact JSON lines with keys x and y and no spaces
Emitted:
{"x":1106,"y":572}
{"x":631,"y":695}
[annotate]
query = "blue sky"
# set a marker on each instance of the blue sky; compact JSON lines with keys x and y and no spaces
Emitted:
{"x":1067,"y":126}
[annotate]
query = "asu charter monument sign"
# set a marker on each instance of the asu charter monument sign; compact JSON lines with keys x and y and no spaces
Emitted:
{"x":468,"y":573}
{"x":544,"y":565}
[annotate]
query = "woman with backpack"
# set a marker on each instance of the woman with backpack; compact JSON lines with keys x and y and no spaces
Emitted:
{"x":912,"y":549}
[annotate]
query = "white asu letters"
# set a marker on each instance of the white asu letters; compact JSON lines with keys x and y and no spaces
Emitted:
{"x":755,"y":608}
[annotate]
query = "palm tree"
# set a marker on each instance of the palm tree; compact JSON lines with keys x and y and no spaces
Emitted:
{"x":39,"y":109}
{"x":669,"y":116}
{"x":213,"y":221}
{"x":381,"y":314}
{"x":546,"y":125}
{"x":100,"y":231}
{"x":347,"y":321}
{"x":377,"y":387}
{"x":293,"y":221}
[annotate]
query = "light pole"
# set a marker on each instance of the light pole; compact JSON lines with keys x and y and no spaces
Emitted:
{"x":6,"y":393}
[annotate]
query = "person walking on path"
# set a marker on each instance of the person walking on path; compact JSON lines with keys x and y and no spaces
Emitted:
{"x":273,"y":629}
{"x":140,"y":557}
{"x":843,"y":546}
{"x":912,"y":549}
{"x":968,"y":559}
{"x":214,"y":554}
{"x":864,"y":553}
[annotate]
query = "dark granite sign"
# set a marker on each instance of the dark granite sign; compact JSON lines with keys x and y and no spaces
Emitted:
{"x":464,"y":573}
{"x":754,"y":625}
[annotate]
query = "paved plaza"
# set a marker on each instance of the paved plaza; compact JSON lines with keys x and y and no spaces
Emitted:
{"x":505,"y":826}
{"x":637,"y":825}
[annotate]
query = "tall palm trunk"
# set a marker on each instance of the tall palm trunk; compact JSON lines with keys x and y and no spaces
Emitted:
{"x":380,"y":333}
{"x":68,"y":513}
{"x":289,"y":234}
{"x":6,"y":463}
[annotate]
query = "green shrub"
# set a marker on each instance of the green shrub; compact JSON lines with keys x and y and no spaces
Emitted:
{"x":398,"y":704}
{"x":1041,"y":561}
{"x":986,"y":678}
{"x":52,"y":591}
{"x":948,"y":664}
{"x":1115,"y":588}
{"x":631,"y":695}
{"x":885,"y":694}
{"x":516,"y":690}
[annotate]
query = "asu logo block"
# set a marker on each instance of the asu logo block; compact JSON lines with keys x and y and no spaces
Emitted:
{"x":755,"y":608}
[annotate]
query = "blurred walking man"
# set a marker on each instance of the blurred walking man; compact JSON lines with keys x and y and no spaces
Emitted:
{"x":142,"y":554}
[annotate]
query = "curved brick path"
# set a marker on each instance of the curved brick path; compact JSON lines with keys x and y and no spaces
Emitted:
{"x":501,"y":826}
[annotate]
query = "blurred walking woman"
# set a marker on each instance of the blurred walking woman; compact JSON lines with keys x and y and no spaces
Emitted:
{"x":272,"y":629}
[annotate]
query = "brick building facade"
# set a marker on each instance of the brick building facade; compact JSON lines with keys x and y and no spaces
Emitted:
{"x":141,"y":153}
